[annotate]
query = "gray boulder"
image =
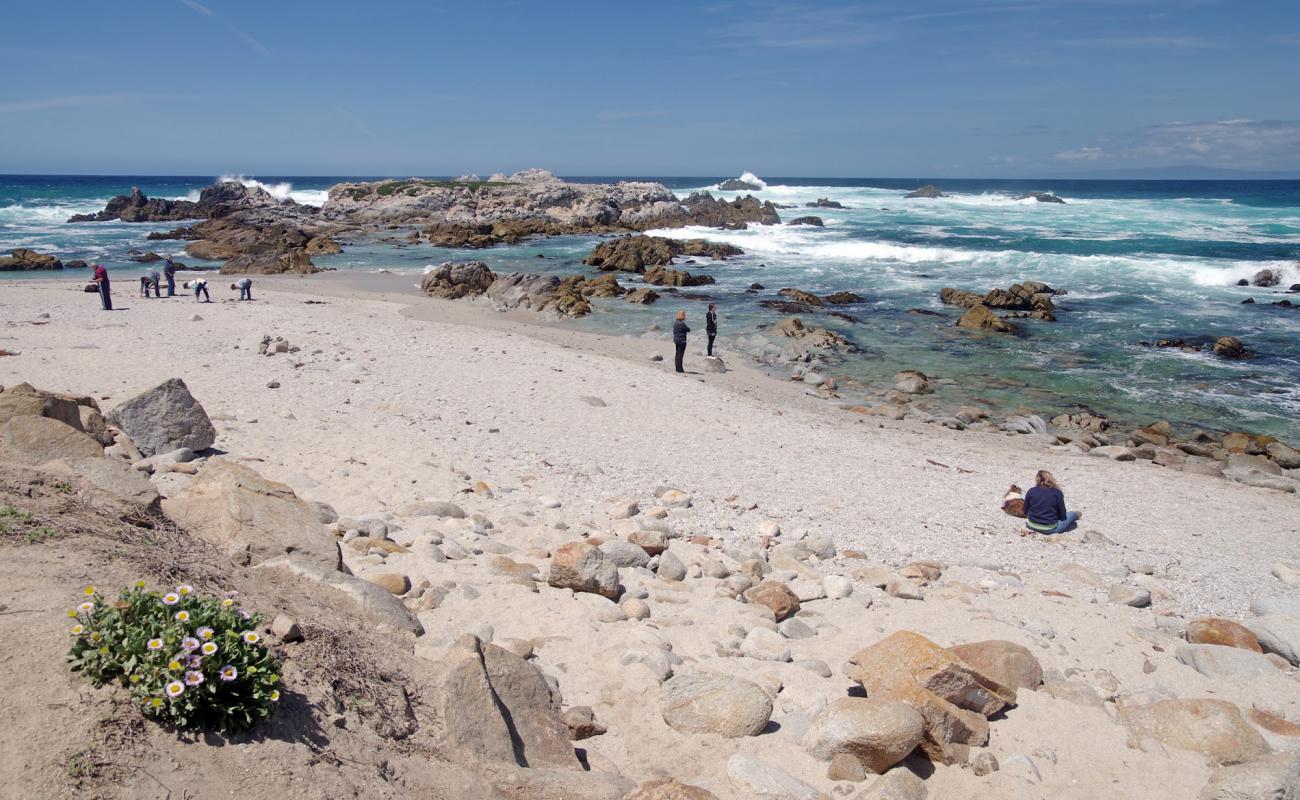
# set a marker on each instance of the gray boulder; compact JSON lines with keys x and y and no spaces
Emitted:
{"x":1225,"y":663}
{"x":1278,"y":633}
{"x":1272,"y":777}
{"x":710,"y":702}
{"x":165,"y":418}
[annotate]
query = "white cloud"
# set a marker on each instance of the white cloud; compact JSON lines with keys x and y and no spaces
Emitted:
{"x":1080,"y":154}
{"x":253,"y":42}
{"x":199,"y":7}
{"x":1228,"y":143}
{"x":80,"y":101}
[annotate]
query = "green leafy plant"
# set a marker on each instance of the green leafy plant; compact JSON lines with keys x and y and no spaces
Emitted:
{"x":17,"y":522}
{"x":190,"y":661}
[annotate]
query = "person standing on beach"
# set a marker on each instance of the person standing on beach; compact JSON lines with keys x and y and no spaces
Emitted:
{"x":679,"y":338}
{"x":169,"y":272}
{"x":105,"y":290}
{"x":245,"y":287}
{"x":1045,"y":507}
{"x":711,"y":325}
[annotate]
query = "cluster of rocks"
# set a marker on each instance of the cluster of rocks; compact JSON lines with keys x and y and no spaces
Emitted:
{"x":566,"y":296}
{"x":824,"y":202}
{"x":1029,"y":299}
{"x":928,"y":191}
{"x":1267,"y":278}
{"x":1042,"y":197}
{"x":738,"y":185}
{"x":22,"y":259}
{"x":1224,"y":346}
{"x":637,"y":253}
{"x":816,"y":222}
{"x":270,"y":346}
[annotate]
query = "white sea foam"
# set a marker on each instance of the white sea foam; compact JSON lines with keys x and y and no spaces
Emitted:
{"x":749,"y":177}
{"x":280,"y":191}
{"x":1227,"y":274}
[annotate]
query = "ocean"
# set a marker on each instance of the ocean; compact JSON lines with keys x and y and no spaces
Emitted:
{"x":1140,"y":260}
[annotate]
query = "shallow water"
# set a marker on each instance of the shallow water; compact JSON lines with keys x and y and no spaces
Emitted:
{"x":1141,"y":260}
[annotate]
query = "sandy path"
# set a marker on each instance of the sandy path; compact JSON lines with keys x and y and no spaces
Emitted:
{"x":380,"y":407}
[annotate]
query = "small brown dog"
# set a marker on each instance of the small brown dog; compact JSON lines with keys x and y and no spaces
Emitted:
{"x":1013,"y":504}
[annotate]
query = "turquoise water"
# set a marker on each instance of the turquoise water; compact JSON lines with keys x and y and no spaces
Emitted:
{"x":1142,"y":260}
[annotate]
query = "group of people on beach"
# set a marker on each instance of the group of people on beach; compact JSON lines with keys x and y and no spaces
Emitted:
{"x":152,"y":281}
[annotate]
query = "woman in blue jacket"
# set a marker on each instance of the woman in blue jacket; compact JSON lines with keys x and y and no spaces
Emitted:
{"x":1045,"y":507}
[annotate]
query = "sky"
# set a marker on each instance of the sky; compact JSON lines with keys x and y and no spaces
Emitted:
{"x":898,"y":88}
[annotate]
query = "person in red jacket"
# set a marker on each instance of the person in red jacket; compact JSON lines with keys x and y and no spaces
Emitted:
{"x":105,"y":290}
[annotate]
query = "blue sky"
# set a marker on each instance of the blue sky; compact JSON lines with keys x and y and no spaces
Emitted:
{"x":879,"y":89}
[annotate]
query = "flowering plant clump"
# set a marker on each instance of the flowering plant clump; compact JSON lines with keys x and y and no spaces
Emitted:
{"x":190,"y":661}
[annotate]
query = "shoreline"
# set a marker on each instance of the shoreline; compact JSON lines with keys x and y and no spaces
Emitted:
{"x":502,"y":395}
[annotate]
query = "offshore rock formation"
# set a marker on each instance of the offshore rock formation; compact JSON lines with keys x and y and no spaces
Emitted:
{"x":24,"y":259}
{"x":636,"y":253}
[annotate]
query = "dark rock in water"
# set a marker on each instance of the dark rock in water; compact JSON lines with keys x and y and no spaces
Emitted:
{"x":981,"y":317}
{"x":659,"y":276}
{"x":825,"y":202}
{"x":1180,"y":344}
{"x":643,"y":296}
{"x":1229,"y":347}
{"x":1243,"y":282}
{"x":1267,"y":277}
{"x":1249,"y":301}
{"x":182,"y":232}
{"x":147,"y":258}
{"x":843,"y":298}
{"x":737,"y":185}
{"x":635,"y":253}
{"x":702,"y":208}
{"x":785,"y":306}
{"x":1295,"y":287}
{"x":1286,"y":304}
{"x":847,"y":317}
{"x":1034,"y":297}
{"x":540,"y":255}
{"x":929,"y":191}
{"x":22,"y":259}
{"x":924,"y":312}
{"x":814,"y":221}
{"x":75,"y":263}
{"x":756,"y":287}
{"x":1042,"y":197}
{"x":800,"y":296}
{"x":453,"y":281}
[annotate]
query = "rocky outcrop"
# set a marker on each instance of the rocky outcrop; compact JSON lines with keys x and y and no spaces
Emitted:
{"x":1229,"y":347}
{"x":1213,"y":728}
{"x":817,"y":338}
{"x":1026,"y":296}
{"x":567,"y":296}
{"x":1267,"y":277}
{"x":33,"y":441}
{"x":164,"y":418}
{"x":292,"y":262}
{"x":737,"y":185}
{"x":816,"y":222}
{"x":659,"y":276}
{"x":1042,"y":197}
{"x":453,"y":281}
{"x":928,"y":191}
{"x":824,"y":202}
{"x":636,"y":253}
{"x":22,"y":259}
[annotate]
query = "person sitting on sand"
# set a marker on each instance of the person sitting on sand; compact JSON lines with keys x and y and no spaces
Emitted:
{"x":199,"y":285}
{"x":245,"y":287}
{"x":679,"y":338}
{"x":1045,"y":507}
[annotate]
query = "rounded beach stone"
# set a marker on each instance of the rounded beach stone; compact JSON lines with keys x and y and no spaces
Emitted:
{"x":878,"y":732}
{"x":776,"y":596}
{"x":394,"y":582}
{"x":1213,"y":630}
{"x":709,"y":702}
{"x":583,"y":568}
{"x":1006,"y":662}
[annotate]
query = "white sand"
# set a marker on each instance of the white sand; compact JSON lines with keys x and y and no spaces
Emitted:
{"x":384,"y":403}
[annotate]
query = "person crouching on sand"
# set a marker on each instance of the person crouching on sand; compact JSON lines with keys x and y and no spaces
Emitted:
{"x":1045,"y":507}
{"x":200,"y":286}
{"x":679,"y":338}
{"x":245,"y":287}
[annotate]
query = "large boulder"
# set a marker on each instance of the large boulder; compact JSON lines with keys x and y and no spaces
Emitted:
{"x":637,"y":253}
{"x":1273,"y":777}
{"x":776,"y":596}
{"x":24,"y":400}
{"x":710,"y":702}
{"x":1221,"y":663}
{"x":126,"y":490}
{"x":582,"y":567}
{"x":928,"y":191}
{"x":33,"y":441}
{"x":251,"y":518}
{"x":1213,"y":728}
{"x":494,"y":706}
{"x":878,"y":733}
{"x":1006,"y":662}
{"x":164,"y":418}
{"x":1229,"y":347}
{"x":753,"y":778}
{"x":454,"y":281}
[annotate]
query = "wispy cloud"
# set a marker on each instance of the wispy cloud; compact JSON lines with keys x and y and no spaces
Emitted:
{"x":648,"y":113}
{"x":969,"y":12}
{"x":253,"y":42}
{"x":798,"y":25}
{"x":1151,"y":42}
{"x":81,"y":101}
{"x":1229,"y":143}
{"x":199,"y":7}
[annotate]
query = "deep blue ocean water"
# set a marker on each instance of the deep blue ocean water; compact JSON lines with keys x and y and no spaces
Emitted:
{"x":1141,"y":260}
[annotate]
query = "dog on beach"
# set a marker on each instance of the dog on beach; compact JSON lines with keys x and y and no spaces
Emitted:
{"x":1013,"y":503}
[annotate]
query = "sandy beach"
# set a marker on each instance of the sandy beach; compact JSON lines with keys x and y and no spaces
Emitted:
{"x":391,"y":394}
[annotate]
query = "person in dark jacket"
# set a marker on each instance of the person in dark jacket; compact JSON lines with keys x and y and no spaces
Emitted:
{"x":679,"y":338}
{"x":169,"y":272}
{"x":1045,"y":507}
{"x":711,"y":325}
